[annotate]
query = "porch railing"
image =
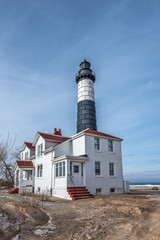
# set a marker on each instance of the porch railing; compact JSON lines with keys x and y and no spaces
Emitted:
{"x":71,"y":180}
{"x":72,"y":183}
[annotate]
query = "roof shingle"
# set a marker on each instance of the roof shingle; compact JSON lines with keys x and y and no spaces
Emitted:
{"x":23,"y":164}
{"x":53,"y":137}
{"x":29,"y":145}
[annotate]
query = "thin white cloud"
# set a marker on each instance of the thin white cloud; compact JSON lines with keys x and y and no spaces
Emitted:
{"x":41,"y":46}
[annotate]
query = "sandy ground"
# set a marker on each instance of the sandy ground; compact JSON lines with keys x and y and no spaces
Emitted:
{"x":129,"y":217}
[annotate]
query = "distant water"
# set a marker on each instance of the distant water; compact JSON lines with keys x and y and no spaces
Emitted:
{"x":145,"y":183}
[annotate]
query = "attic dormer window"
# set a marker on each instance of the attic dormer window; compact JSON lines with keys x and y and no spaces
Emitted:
{"x":26,"y":155}
{"x":39,"y":150}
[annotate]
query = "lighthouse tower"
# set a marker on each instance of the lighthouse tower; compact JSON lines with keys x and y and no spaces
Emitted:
{"x":86,"y":112}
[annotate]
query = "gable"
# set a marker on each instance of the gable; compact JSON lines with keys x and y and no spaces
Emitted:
{"x":100,"y":134}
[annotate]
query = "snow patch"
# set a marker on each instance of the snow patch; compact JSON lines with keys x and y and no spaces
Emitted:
{"x":48,"y":228}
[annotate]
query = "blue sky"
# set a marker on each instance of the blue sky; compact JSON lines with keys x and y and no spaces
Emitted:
{"x":41,"y":46}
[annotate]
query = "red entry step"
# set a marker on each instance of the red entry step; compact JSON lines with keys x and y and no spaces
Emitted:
{"x":14,"y":190}
{"x":77,"y":193}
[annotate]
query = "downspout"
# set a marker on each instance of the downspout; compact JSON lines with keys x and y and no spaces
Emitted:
{"x":51,"y":173}
{"x":84,"y":164}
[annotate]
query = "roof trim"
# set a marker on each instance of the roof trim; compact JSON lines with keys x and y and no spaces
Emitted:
{"x":25,"y":164}
{"x":28,"y":145}
{"x":64,"y":157}
{"x":100,"y":134}
{"x":49,"y":137}
{"x":91,"y":132}
{"x":50,"y":149}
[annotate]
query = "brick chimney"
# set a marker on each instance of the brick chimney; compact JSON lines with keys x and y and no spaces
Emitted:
{"x":57,"y":132}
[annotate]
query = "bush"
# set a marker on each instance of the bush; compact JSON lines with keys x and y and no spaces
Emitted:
{"x":6,"y":183}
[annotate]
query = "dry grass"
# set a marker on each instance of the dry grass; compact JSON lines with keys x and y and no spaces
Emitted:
{"x":117,"y":217}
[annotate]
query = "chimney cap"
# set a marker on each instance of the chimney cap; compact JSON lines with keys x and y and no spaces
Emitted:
{"x":57,"y":132}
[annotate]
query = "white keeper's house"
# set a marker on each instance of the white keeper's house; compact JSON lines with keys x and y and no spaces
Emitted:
{"x":88,"y":163}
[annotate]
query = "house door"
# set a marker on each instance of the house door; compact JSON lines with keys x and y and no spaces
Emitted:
{"x":77,"y":174}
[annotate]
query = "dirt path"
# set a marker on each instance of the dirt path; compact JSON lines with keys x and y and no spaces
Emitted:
{"x":109,"y":217}
{"x":121,"y":217}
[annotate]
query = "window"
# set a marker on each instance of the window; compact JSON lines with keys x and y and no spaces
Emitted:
{"x":110,"y":146}
{"x":96,"y":144}
{"x":111,"y":169}
{"x":27,"y":175}
{"x":22,"y":156}
{"x":98,"y":190}
{"x":76,"y":168}
{"x":38,"y":189}
{"x":39,"y":170}
{"x":97,"y":168}
{"x":63,"y":168}
{"x":26,"y":155}
{"x":60,"y":169}
{"x":70,"y":168}
{"x":82,"y":169}
{"x":56,"y":169}
{"x":39,"y":150}
{"x":112,"y":190}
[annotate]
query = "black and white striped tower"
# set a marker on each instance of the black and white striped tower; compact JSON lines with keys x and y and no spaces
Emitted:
{"x":86,"y":111}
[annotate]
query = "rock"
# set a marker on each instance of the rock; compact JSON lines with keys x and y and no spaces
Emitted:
{"x":50,"y":232}
{"x":96,"y":228}
{"x":81,"y":238}
{"x":38,"y":232}
{"x":88,"y":236}
{"x":27,"y":226}
{"x":136,"y":211}
{"x":16,"y":237}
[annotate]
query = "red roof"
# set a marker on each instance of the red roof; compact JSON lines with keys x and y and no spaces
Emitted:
{"x":23,"y":164}
{"x":29,"y":145}
{"x":101,"y":134}
{"x":55,"y":138}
